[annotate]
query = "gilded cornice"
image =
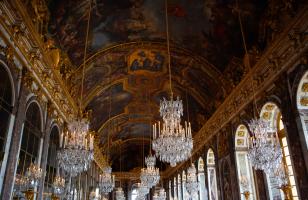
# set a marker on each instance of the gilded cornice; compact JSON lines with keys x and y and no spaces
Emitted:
{"x":283,"y":54}
{"x":18,"y":33}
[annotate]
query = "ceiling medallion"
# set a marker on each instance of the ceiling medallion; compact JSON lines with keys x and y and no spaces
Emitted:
{"x":172,"y":142}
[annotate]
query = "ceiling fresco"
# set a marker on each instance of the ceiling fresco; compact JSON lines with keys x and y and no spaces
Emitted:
{"x":208,"y":28}
{"x":126,"y":68}
{"x":136,"y":82}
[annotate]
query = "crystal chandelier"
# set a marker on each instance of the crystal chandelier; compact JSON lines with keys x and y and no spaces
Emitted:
{"x":21,"y":183}
{"x":192,"y":185}
{"x":172,"y":142}
{"x":120,"y":194}
{"x":142,"y":190}
{"x":150,"y":175}
{"x":264,"y":151}
{"x":160,"y":195}
{"x":58,"y":185}
{"x":76,"y":148}
{"x":34,"y":174}
{"x":107,"y":180}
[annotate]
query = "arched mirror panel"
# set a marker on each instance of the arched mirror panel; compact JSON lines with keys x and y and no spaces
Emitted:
{"x":201,"y":178}
{"x":6,"y":106}
{"x":211,"y":173}
{"x":30,"y":143}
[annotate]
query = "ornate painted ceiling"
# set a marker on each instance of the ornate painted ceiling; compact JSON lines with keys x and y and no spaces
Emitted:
{"x":126,"y":71}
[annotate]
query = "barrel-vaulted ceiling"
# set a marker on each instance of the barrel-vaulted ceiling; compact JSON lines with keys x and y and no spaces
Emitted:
{"x":126,"y":70}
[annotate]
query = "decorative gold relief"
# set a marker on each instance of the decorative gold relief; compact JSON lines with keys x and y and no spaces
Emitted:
{"x":266,"y":115}
{"x":305,"y":87}
{"x":240,"y":142}
{"x":53,"y":53}
{"x":304,"y":101}
{"x":269,"y":107}
{"x":242,"y":127}
{"x":241,"y":133}
{"x":27,"y":79}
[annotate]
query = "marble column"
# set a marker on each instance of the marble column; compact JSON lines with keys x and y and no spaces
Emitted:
{"x":46,"y":135}
{"x":20,"y":113}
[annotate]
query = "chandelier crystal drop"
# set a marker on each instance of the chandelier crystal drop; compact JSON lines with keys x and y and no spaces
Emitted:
{"x":150,"y":175}
{"x":172,"y":142}
{"x":76,"y":148}
{"x":264,"y":151}
{"x":58,"y":185}
{"x":120,"y":194}
{"x":160,"y":195}
{"x":192,"y":185}
{"x":107,"y":180}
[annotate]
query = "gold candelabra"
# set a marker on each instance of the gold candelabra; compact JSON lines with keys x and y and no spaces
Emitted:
{"x":286,"y":191}
{"x":246,"y":195}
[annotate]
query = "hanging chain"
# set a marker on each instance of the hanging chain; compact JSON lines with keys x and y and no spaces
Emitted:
{"x":168,"y":47}
{"x":84,"y":57}
{"x":255,"y":108}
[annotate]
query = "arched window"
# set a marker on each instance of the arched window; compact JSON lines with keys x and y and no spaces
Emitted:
{"x":175,"y":192}
{"x":244,"y":169}
{"x":211,"y":173}
{"x":271,"y":113}
{"x":302,"y":104}
{"x":201,"y":179}
{"x":6,"y":105}
{"x":179,"y":187}
{"x":30,"y":143}
{"x":185,"y":195}
{"x":51,"y":167}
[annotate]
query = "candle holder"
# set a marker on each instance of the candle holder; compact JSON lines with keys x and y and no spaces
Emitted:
{"x":246,"y":195}
{"x":286,"y":191}
{"x":54,"y":197}
{"x":29,"y":194}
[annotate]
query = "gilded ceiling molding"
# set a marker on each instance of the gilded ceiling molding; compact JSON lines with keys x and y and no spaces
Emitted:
{"x":19,"y":34}
{"x":284,"y":53}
